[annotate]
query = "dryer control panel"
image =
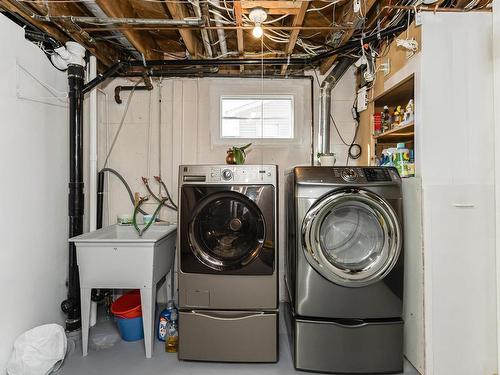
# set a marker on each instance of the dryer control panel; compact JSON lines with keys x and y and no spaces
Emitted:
{"x":229,"y":174}
{"x":346,"y":175}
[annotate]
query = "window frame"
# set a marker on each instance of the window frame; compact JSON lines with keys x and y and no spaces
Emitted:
{"x":260,"y":140}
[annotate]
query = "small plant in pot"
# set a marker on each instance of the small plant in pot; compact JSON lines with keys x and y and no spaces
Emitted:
{"x":237,"y":155}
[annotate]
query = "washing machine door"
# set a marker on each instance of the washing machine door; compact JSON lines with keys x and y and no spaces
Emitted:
{"x":352,"y":237}
{"x":227,"y":232}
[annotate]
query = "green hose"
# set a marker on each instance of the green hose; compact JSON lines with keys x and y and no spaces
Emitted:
{"x":136,"y":210}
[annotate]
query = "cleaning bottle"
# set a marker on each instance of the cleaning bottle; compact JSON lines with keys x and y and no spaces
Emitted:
{"x":165,"y":320}
{"x":401,"y":158}
{"x":173,"y":335}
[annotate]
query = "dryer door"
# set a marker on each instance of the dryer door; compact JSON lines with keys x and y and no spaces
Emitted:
{"x":227,"y":231}
{"x":352,"y":237}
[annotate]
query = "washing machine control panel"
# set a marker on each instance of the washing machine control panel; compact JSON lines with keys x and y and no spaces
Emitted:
{"x":232,"y":174}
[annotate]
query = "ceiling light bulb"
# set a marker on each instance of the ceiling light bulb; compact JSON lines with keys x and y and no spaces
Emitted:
{"x":257,"y":31}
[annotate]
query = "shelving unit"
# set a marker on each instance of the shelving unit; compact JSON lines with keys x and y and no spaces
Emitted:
{"x":400,"y":94}
{"x":401,"y":133}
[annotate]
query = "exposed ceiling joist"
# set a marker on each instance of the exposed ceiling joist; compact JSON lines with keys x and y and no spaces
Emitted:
{"x":297,"y":21}
{"x":142,"y":41}
{"x":103,"y":51}
{"x":179,"y":11}
{"x":239,"y":22}
{"x":48,"y":28}
{"x":273,"y":6}
{"x":349,"y":16}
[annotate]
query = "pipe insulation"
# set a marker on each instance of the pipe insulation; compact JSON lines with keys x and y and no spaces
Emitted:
{"x":325,"y":102}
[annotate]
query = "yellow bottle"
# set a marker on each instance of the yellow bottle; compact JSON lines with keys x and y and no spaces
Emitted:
{"x":172,"y":341}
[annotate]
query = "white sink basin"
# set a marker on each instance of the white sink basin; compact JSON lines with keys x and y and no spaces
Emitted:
{"x":125,"y":233}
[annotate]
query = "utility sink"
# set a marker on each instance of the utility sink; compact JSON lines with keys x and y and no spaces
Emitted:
{"x":126,"y":233}
{"x":117,"y":257}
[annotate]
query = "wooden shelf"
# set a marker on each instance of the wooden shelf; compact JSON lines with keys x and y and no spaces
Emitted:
{"x":404,"y":132}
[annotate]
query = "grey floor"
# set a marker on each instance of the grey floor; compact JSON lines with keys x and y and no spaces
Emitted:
{"x":109,"y":355}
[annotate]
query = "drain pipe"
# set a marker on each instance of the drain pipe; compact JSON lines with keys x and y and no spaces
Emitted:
{"x":72,"y":58}
{"x":325,"y":103}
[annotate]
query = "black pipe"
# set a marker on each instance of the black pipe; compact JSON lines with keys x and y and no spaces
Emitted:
{"x":100,"y":196}
{"x":269,"y":62}
{"x":119,"y":89}
{"x":103,"y":76}
{"x":71,"y":306}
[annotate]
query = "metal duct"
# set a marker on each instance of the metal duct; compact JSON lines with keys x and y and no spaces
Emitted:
{"x":220,"y":32}
{"x":325,"y":102}
{"x":204,"y":32}
{"x":106,"y":21}
{"x":96,"y":10}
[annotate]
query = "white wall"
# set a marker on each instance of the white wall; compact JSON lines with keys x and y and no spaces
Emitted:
{"x":189,"y":119}
{"x":33,"y":224}
{"x":496,"y":98}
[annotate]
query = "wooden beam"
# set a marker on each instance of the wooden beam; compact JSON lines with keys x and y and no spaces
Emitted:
{"x":239,"y":21}
{"x":63,"y":31}
{"x":48,"y":28}
{"x":294,"y":35}
{"x":273,"y":6}
{"x":142,"y":41}
{"x":349,"y":16}
{"x":179,"y":11}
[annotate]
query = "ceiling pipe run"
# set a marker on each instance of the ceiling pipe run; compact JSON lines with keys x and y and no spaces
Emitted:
{"x":220,"y":32}
{"x":103,"y":21}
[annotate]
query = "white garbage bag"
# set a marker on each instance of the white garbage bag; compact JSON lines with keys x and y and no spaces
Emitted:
{"x":39,"y":351}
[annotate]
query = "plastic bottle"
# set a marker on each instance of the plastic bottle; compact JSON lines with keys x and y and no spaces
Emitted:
{"x":173,"y":335}
{"x":165,"y":320}
{"x":401,"y":158}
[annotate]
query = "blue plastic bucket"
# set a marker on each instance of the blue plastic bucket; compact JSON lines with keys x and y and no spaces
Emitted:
{"x":131,"y":329}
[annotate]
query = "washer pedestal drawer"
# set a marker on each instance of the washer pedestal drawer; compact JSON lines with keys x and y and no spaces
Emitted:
{"x":346,"y":346}
{"x":228,"y":336}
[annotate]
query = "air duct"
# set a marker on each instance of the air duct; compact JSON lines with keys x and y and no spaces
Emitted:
{"x":204,"y":32}
{"x":325,"y":102}
{"x":220,"y":32}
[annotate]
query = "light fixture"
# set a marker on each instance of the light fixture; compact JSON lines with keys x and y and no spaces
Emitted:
{"x":257,"y":16}
{"x":257,"y":31}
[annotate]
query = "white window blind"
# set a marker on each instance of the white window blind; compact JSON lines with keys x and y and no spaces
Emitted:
{"x":254,"y":117}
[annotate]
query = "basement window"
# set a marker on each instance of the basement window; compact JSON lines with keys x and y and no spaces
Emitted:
{"x":251,"y":117}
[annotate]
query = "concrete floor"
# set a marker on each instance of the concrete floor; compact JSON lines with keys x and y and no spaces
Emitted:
{"x":109,"y":355}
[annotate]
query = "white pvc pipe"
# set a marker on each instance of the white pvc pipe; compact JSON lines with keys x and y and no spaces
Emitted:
{"x":93,"y":146}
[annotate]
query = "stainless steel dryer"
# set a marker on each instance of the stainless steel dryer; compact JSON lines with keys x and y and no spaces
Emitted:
{"x":345,"y":269}
{"x":228,"y":263}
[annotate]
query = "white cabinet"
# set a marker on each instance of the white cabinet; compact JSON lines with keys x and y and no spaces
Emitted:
{"x":460,"y":292}
{"x":454,"y":196}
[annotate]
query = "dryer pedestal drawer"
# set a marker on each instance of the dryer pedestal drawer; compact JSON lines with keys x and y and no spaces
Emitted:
{"x":347,"y":347}
{"x":228,"y":336}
